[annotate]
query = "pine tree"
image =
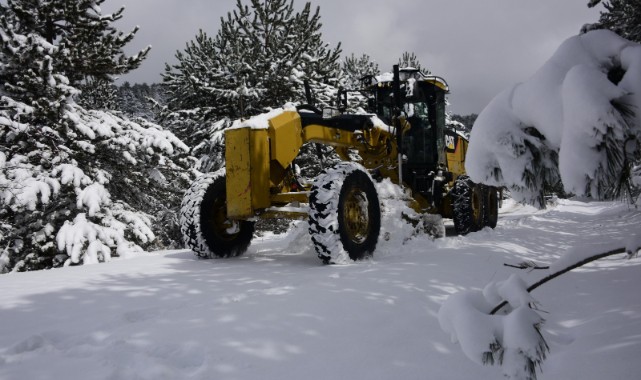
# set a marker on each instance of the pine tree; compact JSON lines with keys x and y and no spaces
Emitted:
{"x":622,"y":17}
{"x":356,"y":68}
{"x":99,"y":94}
{"x":141,"y":100}
{"x":73,"y":181}
{"x":411,"y":60}
{"x":90,"y":49}
{"x":260,"y":58}
{"x":463,"y":123}
{"x":199,"y":81}
{"x":532,"y":149}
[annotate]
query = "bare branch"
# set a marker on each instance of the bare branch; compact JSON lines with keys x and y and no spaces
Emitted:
{"x":531,"y":265}
{"x":563,"y":271}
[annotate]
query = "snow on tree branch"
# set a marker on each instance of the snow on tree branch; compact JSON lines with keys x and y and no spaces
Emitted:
{"x":76,"y":184}
{"x":573,"y":121}
{"x":513,"y":340}
{"x":500,"y":325}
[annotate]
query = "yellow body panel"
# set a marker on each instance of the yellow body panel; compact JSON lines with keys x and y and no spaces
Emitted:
{"x":328,"y":136}
{"x":286,"y":137}
{"x":456,"y":159}
{"x":247,"y":161}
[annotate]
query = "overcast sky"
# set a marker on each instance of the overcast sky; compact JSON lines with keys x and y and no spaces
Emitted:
{"x":479,"y":46}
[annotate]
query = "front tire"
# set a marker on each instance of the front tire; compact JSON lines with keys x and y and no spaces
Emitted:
{"x":203,"y":220}
{"x":345,"y":215}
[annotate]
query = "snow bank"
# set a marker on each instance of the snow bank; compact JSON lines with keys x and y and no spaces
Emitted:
{"x":397,"y":217}
{"x":277,"y":313}
{"x":569,"y":121}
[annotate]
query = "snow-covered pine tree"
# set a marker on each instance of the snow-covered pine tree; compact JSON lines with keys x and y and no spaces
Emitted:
{"x":454,"y":123}
{"x":190,"y":83}
{"x":127,"y":102}
{"x":141,"y":100}
{"x":201,"y":90}
{"x":411,"y":60}
{"x":99,"y":93}
{"x":527,"y":145}
{"x":318,"y":62}
{"x":624,"y":18}
{"x":260,"y":58}
{"x":73,"y":181}
{"x":466,"y":120}
{"x":356,"y":68}
{"x":621,"y":16}
{"x":90,"y":47}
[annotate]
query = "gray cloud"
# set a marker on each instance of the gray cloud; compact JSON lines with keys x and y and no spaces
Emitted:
{"x":480,"y":47}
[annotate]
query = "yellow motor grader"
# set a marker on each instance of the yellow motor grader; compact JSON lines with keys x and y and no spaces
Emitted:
{"x":403,"y":138}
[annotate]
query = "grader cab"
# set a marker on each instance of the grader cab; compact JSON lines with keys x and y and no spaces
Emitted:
{"x":403,"y":137}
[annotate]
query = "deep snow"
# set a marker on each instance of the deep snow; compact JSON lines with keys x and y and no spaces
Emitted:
{"x":277,"y":313}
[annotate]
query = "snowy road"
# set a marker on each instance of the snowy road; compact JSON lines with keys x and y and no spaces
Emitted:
{"x":277,"y":313}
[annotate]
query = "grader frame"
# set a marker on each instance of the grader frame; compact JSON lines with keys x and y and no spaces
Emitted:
{"x":403,"y":138}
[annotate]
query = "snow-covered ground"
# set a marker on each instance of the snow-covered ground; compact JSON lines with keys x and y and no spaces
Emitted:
{"x":277,"y":313}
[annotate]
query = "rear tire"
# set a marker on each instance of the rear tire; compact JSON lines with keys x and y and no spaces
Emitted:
{"x":345,"y":215}
{"x":203,"y":220}
{"x":491,"y":214}
{"x":468,"y":206}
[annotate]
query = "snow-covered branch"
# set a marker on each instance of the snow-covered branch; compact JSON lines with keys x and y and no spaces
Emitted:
{"x":571,"y":121}
{"x":508,"y":334}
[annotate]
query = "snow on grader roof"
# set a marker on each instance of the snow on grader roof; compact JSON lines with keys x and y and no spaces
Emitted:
{"x":408,"y":74}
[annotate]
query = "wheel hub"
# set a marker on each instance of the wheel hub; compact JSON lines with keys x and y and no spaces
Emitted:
{"x":356,"y":216}
{"x":223,"y":227}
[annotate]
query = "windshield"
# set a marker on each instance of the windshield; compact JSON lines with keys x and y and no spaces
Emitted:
{"x":416,"y":109}
{"x":423,"y":144}
{"x":419,"y":143}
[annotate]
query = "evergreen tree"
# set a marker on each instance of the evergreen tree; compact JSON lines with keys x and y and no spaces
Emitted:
{"x":531,"y":149}
{"x":259,"y":58}
{"x":90,"y":48}
{"x":411,"y":60}
{"x":622,"y":17}
{"x":463,"y":123}
{"x":199,"y":87}
{"x":356,"y":68}
{"x":73,"y":181}
{"x":100,"y":94}
{"x":126,"y":99}
{"x":141,"y":100}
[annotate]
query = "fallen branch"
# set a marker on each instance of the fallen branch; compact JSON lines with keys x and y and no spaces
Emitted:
{"x":527,"y":265}
{"x":563,"y":271}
